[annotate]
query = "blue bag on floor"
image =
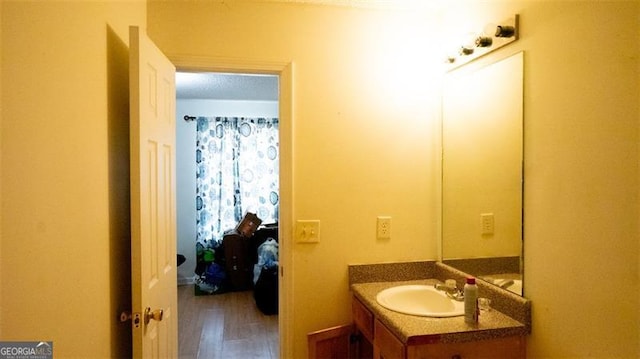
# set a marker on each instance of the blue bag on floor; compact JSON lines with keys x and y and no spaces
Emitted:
{"x":214,"y":275}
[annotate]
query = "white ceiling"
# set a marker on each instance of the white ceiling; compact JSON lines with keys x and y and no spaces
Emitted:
{"x":225,"y":86}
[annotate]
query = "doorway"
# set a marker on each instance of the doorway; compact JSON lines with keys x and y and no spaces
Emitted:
{"x":206,"y":321}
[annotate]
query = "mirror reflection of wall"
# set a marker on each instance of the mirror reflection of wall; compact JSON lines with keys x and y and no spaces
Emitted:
{"x":482,"y":176}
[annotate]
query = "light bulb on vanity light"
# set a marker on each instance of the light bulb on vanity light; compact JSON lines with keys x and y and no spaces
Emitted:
{"x":468,"y":44}
{"x":505,"y":31}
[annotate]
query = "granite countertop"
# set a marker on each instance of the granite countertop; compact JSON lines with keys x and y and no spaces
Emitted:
{"x":415,"y":330}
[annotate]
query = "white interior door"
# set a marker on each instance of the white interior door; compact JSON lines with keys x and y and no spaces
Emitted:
{"x":153,"y":206}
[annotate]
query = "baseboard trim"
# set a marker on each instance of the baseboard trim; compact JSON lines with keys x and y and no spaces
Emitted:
{"x":186,"y":280}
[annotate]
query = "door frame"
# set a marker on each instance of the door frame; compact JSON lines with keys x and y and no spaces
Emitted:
{"x":284,"y":70}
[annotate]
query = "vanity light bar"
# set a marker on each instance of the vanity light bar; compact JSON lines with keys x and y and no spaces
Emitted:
{"x":493,"y":38}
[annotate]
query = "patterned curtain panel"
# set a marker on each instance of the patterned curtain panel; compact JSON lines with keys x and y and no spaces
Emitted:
{"x":237,"y":172}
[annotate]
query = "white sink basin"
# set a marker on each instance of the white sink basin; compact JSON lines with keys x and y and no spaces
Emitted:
{"x":422,"y":300}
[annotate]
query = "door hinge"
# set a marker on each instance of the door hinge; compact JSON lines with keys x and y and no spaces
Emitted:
{"x":135,"y":318}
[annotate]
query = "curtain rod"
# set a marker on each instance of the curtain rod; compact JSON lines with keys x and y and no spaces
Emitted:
{"x":193,"y":118}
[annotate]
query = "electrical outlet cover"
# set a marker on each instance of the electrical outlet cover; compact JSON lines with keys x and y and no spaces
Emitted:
{"x":487,"y":223}
{"x":383,"y":229}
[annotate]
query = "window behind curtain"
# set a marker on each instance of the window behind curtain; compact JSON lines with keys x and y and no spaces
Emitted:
{"x":237,"y":167}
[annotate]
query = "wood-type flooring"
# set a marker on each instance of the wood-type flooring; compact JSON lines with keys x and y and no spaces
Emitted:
{"x":225,"y":325}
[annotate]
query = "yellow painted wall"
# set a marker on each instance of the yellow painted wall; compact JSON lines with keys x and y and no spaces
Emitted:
{"x":365,"y":130}
{"x":581,"y":171}
{"x":62,"y":250}
{"x":581,"y":205}
{"x":65,"y":227}
{"x":581,"y":144}
{"x":1,"y":170}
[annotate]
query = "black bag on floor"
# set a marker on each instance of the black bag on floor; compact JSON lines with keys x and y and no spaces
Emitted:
{"x":265,"y":291}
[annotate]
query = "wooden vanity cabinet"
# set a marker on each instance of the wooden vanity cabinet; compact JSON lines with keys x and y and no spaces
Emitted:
{"x":387,"y":346}
{"x":369,"y":338}
{"x":353,"y":341}
{"x":363,"y":319}
{"x":502,"y":348}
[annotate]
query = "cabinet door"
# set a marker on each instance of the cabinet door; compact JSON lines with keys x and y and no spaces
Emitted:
{"x":363,"y":319}
{"x":500,"y":348}
{"x":331,"y":343}
{"x":385,"y":344}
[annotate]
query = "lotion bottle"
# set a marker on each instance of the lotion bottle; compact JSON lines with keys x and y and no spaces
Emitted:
{"x":471,"y":301}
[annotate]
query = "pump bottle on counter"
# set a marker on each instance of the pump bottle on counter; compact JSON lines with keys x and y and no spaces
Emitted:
{"x":471,"y":301}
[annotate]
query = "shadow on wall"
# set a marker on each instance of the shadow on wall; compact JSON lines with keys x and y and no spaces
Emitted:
{"x":119,"y":197}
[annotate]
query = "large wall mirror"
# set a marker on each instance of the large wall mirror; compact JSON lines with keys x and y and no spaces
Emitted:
{"x":482,"y":173}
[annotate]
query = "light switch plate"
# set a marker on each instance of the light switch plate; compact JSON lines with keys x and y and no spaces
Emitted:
{"x":307,"y":231}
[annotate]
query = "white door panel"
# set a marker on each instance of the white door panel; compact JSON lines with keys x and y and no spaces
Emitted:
{"x":153,"y":213}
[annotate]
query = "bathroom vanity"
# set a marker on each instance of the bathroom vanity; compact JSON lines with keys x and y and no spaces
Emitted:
{"x":378,"y":332}
{"x":397,"y":335}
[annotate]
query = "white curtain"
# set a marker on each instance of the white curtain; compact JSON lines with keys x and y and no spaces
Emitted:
{"x":237,"y":172}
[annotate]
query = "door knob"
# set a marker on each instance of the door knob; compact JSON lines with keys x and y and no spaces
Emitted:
{"x":152,"y":314}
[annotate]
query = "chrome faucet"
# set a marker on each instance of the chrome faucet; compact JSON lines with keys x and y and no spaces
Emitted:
{"x":451,"y":289}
